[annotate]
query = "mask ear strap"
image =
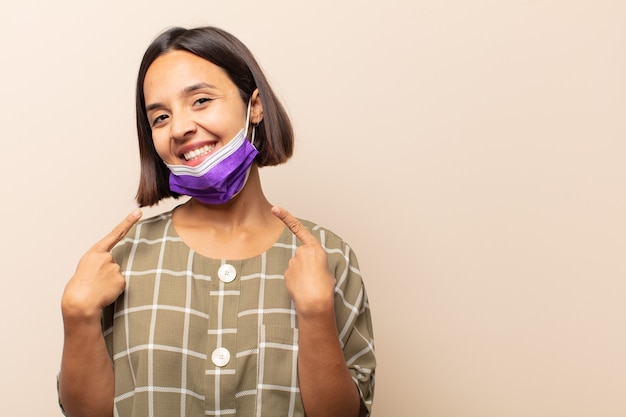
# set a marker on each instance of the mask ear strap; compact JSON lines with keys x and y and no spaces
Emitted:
{"x":245,"y":133}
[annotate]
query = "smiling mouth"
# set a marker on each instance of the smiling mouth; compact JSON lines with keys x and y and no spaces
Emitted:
{"x":197,"y":153}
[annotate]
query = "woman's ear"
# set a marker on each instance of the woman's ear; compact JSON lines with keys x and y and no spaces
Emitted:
{"x":256,"y":108}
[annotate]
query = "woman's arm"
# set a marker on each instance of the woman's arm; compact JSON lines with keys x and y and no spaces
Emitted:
{"x":326,"y":387}
{"x":86,"y":380}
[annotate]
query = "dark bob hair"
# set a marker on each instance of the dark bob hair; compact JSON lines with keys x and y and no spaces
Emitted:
{"x":274,"y":134}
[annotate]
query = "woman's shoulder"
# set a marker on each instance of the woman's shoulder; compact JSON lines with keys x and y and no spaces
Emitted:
{"x":342,"y":259}
{"x":156,"y":219}
{"x":155,"y":224}
{"x":327,"y":237}
{"x":151,"y":228}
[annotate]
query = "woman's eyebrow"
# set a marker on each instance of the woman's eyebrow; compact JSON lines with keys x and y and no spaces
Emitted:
{"x":196,"y":87}
{"x":153,"y":106}
{"x":187,"y":90}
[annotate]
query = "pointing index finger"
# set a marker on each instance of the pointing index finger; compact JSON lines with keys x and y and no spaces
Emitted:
{"x":296,"y":227}
{"x":118,"y":232}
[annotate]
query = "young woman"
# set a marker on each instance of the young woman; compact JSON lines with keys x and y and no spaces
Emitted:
{"x":225,"y":305}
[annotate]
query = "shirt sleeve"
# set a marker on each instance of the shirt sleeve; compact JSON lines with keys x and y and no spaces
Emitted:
{"x":354,"y":321}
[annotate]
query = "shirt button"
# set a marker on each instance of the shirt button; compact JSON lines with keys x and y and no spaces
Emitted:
{"x":220,"y":357}
{"x":227,"y":273}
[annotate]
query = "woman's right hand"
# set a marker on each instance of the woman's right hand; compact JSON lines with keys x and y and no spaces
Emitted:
{"x":97,"y":281}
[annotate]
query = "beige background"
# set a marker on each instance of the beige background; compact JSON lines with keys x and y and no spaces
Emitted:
{"x":472,"y":152}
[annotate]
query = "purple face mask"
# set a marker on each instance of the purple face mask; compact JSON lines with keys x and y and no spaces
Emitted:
{"x":219,"y":177}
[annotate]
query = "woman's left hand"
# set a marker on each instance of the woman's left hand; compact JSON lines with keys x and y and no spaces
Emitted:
{"x":309,"y":282}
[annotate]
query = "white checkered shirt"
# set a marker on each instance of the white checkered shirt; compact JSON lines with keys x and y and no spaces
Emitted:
{"x":185,"y":341}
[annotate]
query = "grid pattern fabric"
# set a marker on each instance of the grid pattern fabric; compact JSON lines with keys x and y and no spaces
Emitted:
{"x":185,"y":342}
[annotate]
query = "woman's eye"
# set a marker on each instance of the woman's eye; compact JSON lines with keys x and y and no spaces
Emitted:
{"x":202,"y":100}
{"x":160,"y":118}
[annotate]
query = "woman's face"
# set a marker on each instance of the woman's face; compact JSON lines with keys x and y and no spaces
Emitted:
{"x":193,"y":107}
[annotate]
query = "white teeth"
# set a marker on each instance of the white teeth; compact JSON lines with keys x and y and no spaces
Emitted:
{"x":198,"y":152}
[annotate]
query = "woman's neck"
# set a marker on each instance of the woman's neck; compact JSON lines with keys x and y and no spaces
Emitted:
{"x":242,"y":228}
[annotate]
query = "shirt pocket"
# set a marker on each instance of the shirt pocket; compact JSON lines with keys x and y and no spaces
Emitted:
{"x":278,"y":392}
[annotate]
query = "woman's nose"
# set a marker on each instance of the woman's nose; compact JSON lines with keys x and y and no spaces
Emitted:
{"x":183,"y":126}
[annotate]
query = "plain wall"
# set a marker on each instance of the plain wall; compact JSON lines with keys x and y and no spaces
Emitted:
{"x":472,"y":152}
